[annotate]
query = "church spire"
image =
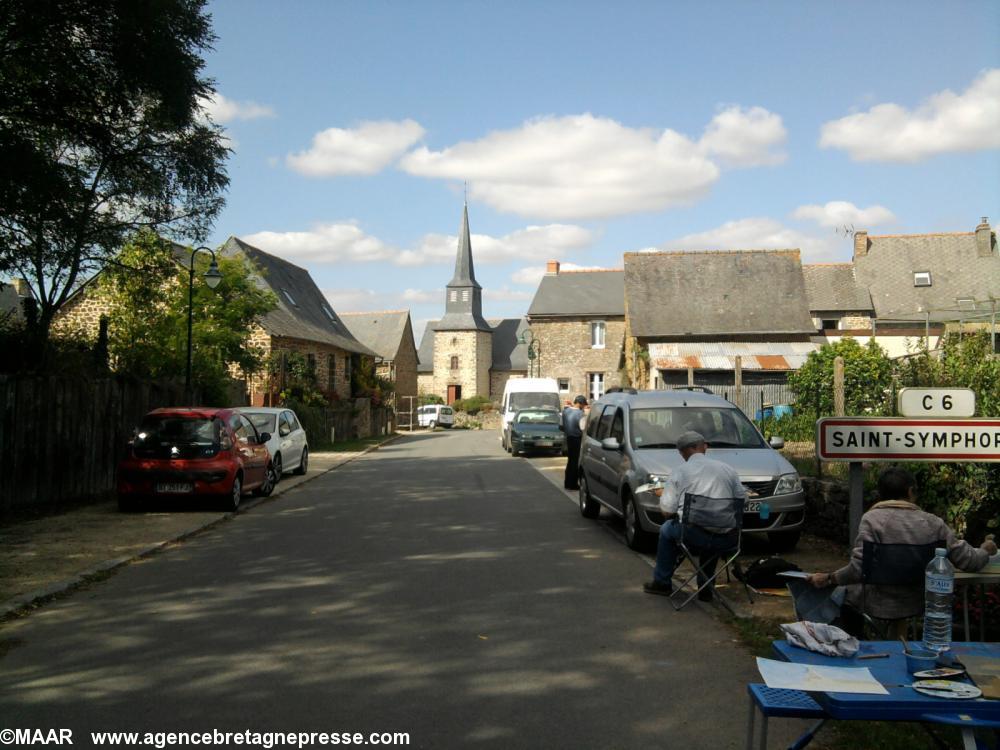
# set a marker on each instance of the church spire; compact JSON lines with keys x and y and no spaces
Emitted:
{"x":463,"y":295}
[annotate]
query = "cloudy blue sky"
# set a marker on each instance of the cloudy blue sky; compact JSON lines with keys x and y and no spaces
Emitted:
{"x":588,"y":129}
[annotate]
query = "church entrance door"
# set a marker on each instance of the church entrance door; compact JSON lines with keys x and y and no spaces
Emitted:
{"x":454,"y":393}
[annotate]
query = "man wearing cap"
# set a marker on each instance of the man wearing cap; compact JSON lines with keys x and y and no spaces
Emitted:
{"x":571,"y":417}
{"x":702,"y":476}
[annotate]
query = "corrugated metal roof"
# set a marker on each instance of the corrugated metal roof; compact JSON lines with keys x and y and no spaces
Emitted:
{"x":721,"y":355}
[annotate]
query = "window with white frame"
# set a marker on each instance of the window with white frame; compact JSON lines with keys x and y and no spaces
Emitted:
{"x":921,"y":278}
{"x":564,"y":385}
{"x":596,"y":381}
{"x":597,"y":330}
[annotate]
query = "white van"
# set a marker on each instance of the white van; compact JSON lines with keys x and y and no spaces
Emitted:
{"x":523,"y":393}
{"x":434,"y":415}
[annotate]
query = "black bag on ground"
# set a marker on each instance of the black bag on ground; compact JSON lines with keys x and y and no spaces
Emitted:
{"x":763,"y":573}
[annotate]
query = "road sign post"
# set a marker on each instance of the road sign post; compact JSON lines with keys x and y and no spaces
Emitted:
{"x":857,"y":439}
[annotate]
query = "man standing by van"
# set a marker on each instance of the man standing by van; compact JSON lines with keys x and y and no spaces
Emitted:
{"x":571,"y":417}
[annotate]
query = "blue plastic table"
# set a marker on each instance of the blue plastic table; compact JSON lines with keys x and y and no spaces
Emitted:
{"x":902,"y":703}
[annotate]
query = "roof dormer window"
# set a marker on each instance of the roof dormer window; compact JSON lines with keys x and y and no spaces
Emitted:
{"x":290,"y":298}
{"x":328,"y":312}
{"x":921,"y":278}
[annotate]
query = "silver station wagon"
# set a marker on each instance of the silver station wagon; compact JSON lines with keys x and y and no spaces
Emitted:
{"x":630,"y":441}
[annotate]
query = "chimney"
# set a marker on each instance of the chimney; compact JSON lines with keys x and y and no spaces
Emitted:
{"x":552,"y":268}
{"x":860,"y":243}
{"x":984,"y":238}
{"x":22,"y":288}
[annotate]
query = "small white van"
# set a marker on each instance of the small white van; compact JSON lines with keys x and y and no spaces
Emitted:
{"x":435,"y":415}
{"x":524,"y":393}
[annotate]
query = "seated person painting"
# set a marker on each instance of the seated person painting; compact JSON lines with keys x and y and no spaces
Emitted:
{"x":897,"y":520}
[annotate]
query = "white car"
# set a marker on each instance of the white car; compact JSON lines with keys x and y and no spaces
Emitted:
{"x":433,"y":415}
{"x":288,"y":446}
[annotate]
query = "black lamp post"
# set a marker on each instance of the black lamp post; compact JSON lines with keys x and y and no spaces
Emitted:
{"x":212,"y":277}
{"x":534,"y":351}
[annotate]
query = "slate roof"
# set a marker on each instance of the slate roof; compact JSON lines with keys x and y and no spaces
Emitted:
{"x":832,"y":287}
{"x":580,"y":294}
{"x":382,"y":332}
{"x":508,"y":354}
{"x":957,"y":270}
{"x":716,"y":293}
{"x":310,"y":318}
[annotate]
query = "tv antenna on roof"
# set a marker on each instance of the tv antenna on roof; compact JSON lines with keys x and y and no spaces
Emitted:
{"x":845,"y":230}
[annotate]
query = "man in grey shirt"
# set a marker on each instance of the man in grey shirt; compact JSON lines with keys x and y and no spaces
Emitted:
{"x":571,"y":417}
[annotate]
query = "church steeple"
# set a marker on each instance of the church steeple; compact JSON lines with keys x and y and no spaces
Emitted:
{"x":463,"y":295}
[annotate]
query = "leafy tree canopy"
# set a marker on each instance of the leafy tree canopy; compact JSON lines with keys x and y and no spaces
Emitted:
{"x":867,"y":378}
{"x":147,"y":321}
{"x":102,"y":133}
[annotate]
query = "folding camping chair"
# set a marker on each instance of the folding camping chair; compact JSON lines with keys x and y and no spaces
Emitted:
{"x":710,"y":537}
{"x":892,"y":565}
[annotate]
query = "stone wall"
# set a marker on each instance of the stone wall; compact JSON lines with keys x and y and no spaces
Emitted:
{"x":80,"y":315}
{"x":498,"y":380}
{"x":484,"y":420}
{"x":827,"y":509}
{"x":565,"y":351}
{"x":425,"y":383}
{"x":474,"y":350}
{"x":329,"y":359}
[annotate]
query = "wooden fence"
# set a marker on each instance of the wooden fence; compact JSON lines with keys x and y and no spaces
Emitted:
{"x":61,"y":438}
{"x":751,"y":398}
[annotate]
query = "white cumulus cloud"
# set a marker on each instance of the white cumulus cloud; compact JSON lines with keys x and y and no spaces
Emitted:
{"x":584,"y":166}
{"x":421,"y":296}
{"x":531,"y":275}
{"x":745,"y":137}
{"x":222,"y":109}
{"x":346,"y":242}
{"x":355,"y":300}
{"x":366,"y":149}
{"x":532,"y":242}
{"x":760,"y":233}
{"x":945,"y":122}
{"x":842,"y":213}
{"x":506,"y":294}
{"x":324,"y":243}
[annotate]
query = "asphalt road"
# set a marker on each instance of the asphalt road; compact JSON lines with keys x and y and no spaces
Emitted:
{"x":436,"y":587}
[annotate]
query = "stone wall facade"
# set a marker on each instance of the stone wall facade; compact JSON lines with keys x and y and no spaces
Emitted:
{"x":565,"y":351}
{"x":333,"y":368}
{"x":81,"y":315}
{"x":425,"y":383}
{"x":474,"y":353}
{"x":498,"y":380}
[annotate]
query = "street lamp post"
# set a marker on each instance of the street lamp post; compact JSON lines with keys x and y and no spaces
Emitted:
{"x":212,"y":277}
{"x":534,"y":352}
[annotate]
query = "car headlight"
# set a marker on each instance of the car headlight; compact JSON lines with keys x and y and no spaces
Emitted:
{"x":787,"y":484}
{"x":659,"y":478}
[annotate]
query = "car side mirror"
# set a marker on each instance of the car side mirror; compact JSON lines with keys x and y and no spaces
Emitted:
{"x":776,"y":442}
{"x":284,"y":431}
{"x":264,"y":437}
{"x":611,"y":444}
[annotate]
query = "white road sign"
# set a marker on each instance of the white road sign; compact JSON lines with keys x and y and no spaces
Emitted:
{"x":937,"y":402}
{"x":895,"y":439}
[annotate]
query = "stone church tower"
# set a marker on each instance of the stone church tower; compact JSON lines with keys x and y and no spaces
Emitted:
{"x":463,"y":340}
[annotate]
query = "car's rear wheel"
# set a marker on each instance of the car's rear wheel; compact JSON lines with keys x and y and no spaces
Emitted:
{"x":635,"y":537}
{"x":278,"y":468}
{"x":269,"y":481}
{"x":783,"y":541}
{"x":589,"y":507}
{"x":431,"y":425}
{"x":232,"y":502}
{"x":303,"y":463}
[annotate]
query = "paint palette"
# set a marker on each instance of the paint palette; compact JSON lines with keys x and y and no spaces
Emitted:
{"x":947,"y":689}
{"x":941,"y":673}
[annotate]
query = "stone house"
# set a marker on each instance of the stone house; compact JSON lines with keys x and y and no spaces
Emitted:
{"x":707,"y":318}
{"x":578,"y":320}
{"x":302,"y":322}
{"x":905,"y":288}
{"x":12,"y":296}
{"x":463,"y":355}
{"x":390,"y":335}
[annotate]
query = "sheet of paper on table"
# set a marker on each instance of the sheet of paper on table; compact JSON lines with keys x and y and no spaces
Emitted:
{"x":790,"y":676}
{"x":799,"y":574}
{"x":985,"y":672}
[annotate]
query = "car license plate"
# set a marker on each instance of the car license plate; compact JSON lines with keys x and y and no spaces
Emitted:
{"x":175,"y":488}
{"x":752,"y":506}
{"x":544,"y":443}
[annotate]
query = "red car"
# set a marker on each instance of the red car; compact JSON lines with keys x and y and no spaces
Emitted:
{"x":194,"y":452}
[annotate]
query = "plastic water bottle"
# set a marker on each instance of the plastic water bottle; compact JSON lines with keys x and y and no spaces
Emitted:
{"x":939,"y":587}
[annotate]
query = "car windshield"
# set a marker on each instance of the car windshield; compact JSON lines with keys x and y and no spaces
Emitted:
{"x":722,"y":427}
{"x":538,"y":416}
{"x":173,"y":436}
{"x":519,"y":401}
{"x":262,"y":421}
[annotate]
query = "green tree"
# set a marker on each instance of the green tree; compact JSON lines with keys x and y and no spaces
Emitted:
{"x":868,"y":377}
{"x":147,"y":321}
{"x":102,"y":132}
